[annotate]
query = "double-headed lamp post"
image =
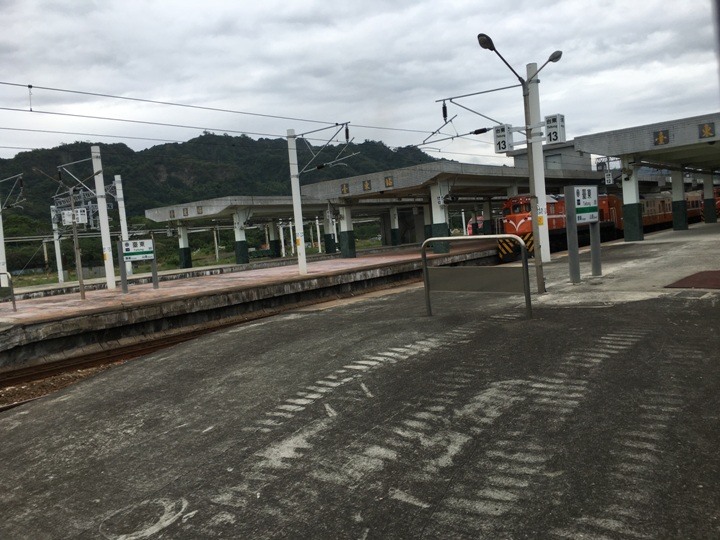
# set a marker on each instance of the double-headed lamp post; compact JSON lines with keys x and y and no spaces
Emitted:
{"x":536,"y":160}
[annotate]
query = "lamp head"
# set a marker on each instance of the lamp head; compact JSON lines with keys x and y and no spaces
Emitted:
{"x":554,"y":57}
{"x":486,"y":42}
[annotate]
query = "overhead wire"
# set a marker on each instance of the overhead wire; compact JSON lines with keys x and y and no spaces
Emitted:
{"x":163,"y":124}
{"x":199,"y":107}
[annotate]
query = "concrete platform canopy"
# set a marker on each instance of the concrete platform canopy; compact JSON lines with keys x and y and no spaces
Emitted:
{"x":245,"y":211}
{"x":412,"y":203}
{"x":686,"y":146}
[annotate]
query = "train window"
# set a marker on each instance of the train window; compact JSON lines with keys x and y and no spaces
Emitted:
{"x":506,"y":211}
{"x":517,"y":208}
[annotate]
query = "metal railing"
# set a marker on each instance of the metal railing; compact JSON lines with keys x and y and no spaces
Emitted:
{"x":12,"y":290}
{"x":450,"y":239}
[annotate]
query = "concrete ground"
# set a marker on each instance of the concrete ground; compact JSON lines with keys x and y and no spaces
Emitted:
{"x":598,"y":418}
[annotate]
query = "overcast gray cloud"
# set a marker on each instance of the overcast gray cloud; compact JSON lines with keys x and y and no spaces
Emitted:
{"x":373,"y":63}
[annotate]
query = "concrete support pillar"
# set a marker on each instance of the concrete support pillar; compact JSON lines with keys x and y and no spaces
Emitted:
{"x":329,"y":232}
{"x":281,"y":233}
{"x":394,"y":227}
{"x":632,"y":208}
{"x":487,"y":217}
{"x":418,"y":224}
{"x":512,"y":191}
{"x":291,"y":226}
{"x":184,"y":243}
{"x":56,"y":243}
{"x":107,"y":245}
{"x":710,"y":210}
{"x":317,"y":229}
{"x":679,"y":204}
{"x":242,"y":253}
{"x":273,"y":240}
{"x":439,"y":216}
{"x":347,"y":234}
{"x":427,"y":221}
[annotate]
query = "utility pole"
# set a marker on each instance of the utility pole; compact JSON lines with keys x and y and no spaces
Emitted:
{"x":120,"y":197}
{"x":4,"y":281}
{"x":103,"y":218}
{"x":76,"y":245}
{"x":297,"y":202}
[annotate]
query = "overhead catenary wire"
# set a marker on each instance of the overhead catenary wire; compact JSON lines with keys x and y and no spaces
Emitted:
{"x":199,"y":107}
{"x":33,"y":109}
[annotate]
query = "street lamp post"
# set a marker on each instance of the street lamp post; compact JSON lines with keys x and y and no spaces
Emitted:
{"x":536,"y":161}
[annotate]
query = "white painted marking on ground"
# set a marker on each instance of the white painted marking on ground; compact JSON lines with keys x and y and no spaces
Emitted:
{"x":321,"y":389}
{"x":357,"y":367}
{"x":171,"y":512}
{"x":330,"y":411}
{"x":289,"y":448}
{"x":366,"y":390}
{"x":280,"y":414}
{"x":300,"y":401}
{"x":406,"y":498}
{"x":371,"y":363}
{"x":381,"y":452}
{"x":307,"y":395}
{"x":293,"y":408}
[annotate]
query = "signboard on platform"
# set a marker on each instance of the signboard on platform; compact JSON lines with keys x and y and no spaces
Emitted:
{"x":138,"y":250}
{"x":503,"y":140}
{"x":586,"y":204}
{"x":555,"y":128}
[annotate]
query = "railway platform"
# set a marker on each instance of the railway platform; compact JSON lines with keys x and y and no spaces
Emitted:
{"x":53,"y":323}
{"x":364,"y":418}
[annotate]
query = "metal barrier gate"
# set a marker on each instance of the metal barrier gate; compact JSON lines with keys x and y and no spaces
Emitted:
{"x":477,"y":278}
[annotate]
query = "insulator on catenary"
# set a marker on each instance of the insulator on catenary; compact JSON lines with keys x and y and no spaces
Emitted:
{"x":347,"y":133}
{"x":444,"y":110}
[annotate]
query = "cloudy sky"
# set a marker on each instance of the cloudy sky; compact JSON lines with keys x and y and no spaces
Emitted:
{"x":380,"y":65}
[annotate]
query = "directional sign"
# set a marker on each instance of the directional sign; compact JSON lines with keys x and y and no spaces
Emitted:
{"x":138,"y":250}
{"x":502,"y":136}
{"x":608,"y":178}
{"x":555,"y":128}
{"x":586,"y":204}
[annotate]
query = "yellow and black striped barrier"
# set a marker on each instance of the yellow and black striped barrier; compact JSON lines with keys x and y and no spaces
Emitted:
{"x":509,"y":250}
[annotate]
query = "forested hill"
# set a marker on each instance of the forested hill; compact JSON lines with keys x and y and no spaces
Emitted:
{"x":202,"y":168}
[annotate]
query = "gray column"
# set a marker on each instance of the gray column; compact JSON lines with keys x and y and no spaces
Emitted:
{"x":632,"y":208}
{"x":439,"y":216}
{"x":394,"y":227}
{"x":709,"y":208}
{"x":487,"y":217}
{"x":679,"y":204}
{"x":273,"y":240}
{"x":329,"y":232}
{"x":419,"y":224}
{"x":184,"y":243}
{"x":242,"y":253}
{"x":347,"y":234}
{"x":427,"y":220}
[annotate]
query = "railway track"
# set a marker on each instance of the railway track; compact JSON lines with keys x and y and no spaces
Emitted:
{"x":30,"y":383}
